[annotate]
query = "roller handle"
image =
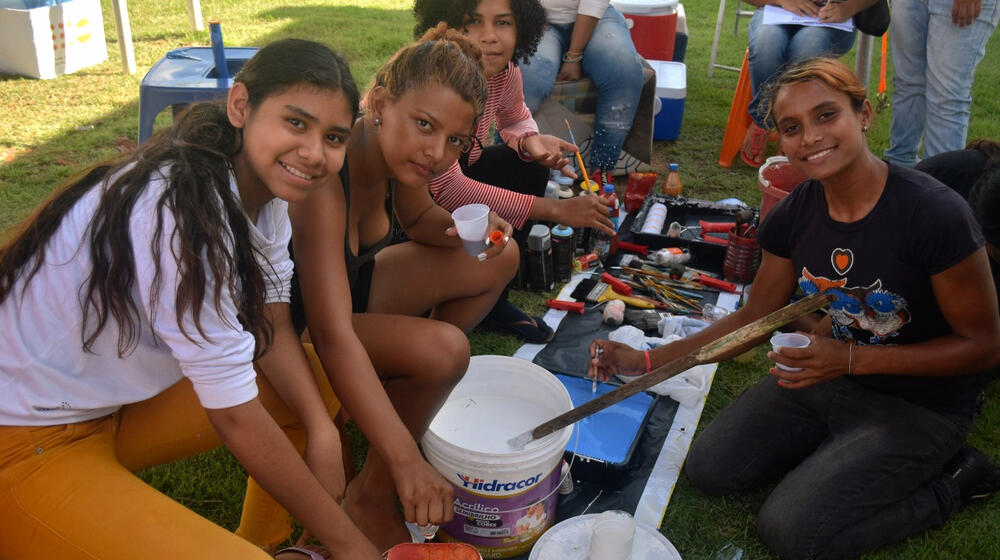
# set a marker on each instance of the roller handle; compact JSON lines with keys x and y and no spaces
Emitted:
{"x":633,"y":248}
{"x":616,"y":284}
{"x":575,"y":306}
{"x":715,"y":227}
{"x":718,"y":284}
{"x":713,"y":239}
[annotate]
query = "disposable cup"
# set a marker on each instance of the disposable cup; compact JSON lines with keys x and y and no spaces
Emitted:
{"x":788,"y":340}
{"x":612,"y":536}
{"x":471,"y":222}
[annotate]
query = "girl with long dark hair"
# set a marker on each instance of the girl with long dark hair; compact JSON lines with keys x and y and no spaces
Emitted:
{"x":133,"y":306}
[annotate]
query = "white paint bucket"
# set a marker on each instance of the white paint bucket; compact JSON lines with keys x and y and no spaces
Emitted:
{"x":504,"y":498}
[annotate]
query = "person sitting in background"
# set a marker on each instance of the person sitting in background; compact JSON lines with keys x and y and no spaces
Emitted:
{"x":510,"y":177}
{"x":974,"y":173}
{"x":589,"y":38}
{"x":865,"y":439}
{"x":773,"y":47}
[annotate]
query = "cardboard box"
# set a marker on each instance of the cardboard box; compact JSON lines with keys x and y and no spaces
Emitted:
{"x":51,"y":41}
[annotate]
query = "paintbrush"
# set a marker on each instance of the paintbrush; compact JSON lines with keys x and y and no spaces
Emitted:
{"x":706,"y":354}
{"x":595,"y":291}
{"x":579,"y":158}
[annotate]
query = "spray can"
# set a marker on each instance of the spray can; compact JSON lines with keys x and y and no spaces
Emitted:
{"x":218,"y":50}
{"x":520,"y":280}
{"x":539,"y":256}
{"x":563,"y":248}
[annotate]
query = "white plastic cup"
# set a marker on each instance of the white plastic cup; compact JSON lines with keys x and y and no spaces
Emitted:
{"x":471,"y":222}
{"x":788,"y":340}
{"x":612,"y":536}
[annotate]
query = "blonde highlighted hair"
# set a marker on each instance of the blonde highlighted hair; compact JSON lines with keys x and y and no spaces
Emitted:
{"x":443,"y":56}
{"x":830,"y":71}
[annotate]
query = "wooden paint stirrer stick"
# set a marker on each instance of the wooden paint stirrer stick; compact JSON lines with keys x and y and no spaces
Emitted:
{"x":706,"y":354}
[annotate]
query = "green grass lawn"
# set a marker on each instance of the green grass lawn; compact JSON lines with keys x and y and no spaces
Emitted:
{"x":52,"y":129}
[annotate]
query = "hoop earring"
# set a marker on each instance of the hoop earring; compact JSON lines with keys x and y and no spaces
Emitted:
{"x":378,"y":123}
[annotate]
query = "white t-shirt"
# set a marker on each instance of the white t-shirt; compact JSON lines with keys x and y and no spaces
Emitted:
{"x":46,"y":378}
{"x":565,"y":11}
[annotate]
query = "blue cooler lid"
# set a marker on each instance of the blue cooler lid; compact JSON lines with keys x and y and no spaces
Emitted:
{"x":646,"y":7}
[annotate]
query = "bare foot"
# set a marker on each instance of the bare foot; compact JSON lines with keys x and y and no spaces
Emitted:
{"x":377,"y":515}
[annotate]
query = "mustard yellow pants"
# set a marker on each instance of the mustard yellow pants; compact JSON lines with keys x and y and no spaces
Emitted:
{"x":69,"y":491}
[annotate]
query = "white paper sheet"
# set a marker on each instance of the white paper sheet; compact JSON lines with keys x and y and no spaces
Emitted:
{"x":774,"y":15}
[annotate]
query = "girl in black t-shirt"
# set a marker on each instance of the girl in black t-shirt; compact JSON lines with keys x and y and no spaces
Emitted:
{"x":865,"y":440}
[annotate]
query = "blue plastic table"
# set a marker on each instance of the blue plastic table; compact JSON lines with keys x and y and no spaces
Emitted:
{"x":184,"y":76}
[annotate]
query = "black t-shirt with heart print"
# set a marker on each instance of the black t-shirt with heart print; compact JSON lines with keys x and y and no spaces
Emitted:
{"x":879,"y":270}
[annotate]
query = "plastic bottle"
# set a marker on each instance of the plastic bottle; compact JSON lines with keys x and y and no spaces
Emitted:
{"x":600,"y":243}
{"x":639,"y":187}
{"x":673,"y":186}
{"x":552,"y":189}
{"x":610,"y":200}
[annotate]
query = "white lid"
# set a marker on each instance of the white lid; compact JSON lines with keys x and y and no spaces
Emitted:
{"x":682,"y":24}
{"x":645,"y":7}
{"x":671,"y":79}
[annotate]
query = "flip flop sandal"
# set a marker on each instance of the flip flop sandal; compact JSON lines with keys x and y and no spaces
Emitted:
{"x":308,"y":553}
{"x":758,"y":144}
{"x":532,"y":330}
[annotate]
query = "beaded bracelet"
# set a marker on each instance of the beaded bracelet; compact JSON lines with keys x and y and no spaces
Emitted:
{"x":571,"y":56}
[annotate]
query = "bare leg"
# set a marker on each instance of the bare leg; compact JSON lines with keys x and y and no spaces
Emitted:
{"x":419,"y":361}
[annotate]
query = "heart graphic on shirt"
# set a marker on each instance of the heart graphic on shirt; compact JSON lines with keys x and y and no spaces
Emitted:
{"x":842,"y":260}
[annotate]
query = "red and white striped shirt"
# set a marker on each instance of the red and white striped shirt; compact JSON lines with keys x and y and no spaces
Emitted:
{"x":504,"y":105}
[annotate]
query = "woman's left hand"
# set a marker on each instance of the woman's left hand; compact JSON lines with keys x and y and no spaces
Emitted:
{"x":496,"y":223}
{"x":825,"y":358}
{"x":569,"y":72}
{"x":548,"y":150}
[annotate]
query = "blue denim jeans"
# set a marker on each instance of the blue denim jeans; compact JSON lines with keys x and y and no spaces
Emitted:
{"x":934,"y":62}
{"x":611,"y":63}
{"x":856,"y":469}
{"x":772,"y":47}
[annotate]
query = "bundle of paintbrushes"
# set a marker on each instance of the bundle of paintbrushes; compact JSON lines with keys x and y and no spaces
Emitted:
{"x":675,"y":300}
{"x":698,"y":281}
{"x":606,"y":287}
{"x":678,"y":296}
